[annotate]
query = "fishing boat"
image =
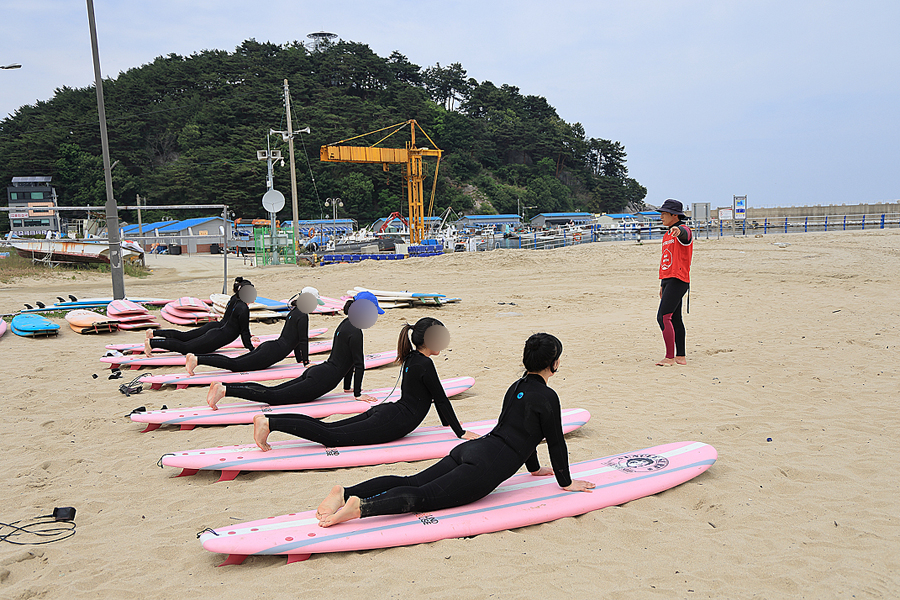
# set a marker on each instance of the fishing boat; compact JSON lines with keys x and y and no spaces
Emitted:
{"x":73,"y":251}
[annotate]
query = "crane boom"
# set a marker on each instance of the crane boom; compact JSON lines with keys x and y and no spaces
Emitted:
{"x":411,"y":159}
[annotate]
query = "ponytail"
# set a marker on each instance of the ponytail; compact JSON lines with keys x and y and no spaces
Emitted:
{"x":347,"y":306}
{"x":240,"y":282}
{"x":404,"y":344}
{"x":406,"y":341}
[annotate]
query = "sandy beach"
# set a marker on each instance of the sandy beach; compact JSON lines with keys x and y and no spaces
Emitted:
{"x":799,"y":344}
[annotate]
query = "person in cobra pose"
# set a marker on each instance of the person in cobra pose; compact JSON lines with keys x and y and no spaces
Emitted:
{"x":195,"y":332}
{"x":475,"y":468}
{"x":294,"y":338}
{"x":345,"y":362}
{"x":389,"y":421}
{"x":674,"y":280}
{"x":233,"y":324}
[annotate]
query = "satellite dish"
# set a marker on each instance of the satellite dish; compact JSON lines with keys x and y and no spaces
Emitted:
{"x":273,"y":201}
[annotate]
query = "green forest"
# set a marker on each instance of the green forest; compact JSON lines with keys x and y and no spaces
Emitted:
{"x":185,"y":130}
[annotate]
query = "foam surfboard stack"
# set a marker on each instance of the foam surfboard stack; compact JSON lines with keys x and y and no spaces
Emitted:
{"x":404,"y":299}
{"x":89,"y":322}
{"x":131,"y":315}
{"x":188,"y":311}
{"x":30,"y":325}
{"x":261,"y":310}
{"x":2,"y":327}
{"x":332,"y":306}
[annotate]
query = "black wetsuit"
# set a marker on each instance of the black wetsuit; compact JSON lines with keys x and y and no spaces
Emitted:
{"x":238,"y":324}
{"x":195,"y":332}
{"x":294,"y":337}
{"x":475,"y":468}
{"x":383,"y":423}
{"x":346,"y":361}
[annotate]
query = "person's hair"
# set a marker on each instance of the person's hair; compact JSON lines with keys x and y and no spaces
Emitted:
{"x":240,"y":282}
{"x":541,"y":351}
{"x":404,"y":344}
{"x":347,"y":306}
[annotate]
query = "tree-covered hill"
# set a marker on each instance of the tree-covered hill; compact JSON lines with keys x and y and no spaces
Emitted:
{"x":185,"y":130}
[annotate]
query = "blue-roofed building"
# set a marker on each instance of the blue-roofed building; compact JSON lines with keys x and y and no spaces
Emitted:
{"x":649,"y":215}
{"x":498,"y":222}
{"x":320,"y":226}
{"x":564,"y":218}
{"x":202,"y":234}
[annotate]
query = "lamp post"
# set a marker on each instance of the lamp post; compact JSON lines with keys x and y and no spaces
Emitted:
{"x":334,"y":203}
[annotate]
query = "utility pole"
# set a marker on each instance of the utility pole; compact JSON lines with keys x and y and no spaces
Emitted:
{"x":112,"y":211}
{"x":290,"y":131}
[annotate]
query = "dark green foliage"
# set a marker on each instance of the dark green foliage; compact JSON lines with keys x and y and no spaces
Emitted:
{"x":185,"y":130}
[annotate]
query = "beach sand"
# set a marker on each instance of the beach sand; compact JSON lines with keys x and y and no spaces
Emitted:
{"x":798,"y":344}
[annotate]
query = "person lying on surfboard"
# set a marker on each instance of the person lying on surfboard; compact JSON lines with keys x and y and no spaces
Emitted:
{"x":212,"y":336}
{"x":389,"y":421}
{"x":346,"y":361}
{"x":294,"y":338}
{"x":475,"y":468}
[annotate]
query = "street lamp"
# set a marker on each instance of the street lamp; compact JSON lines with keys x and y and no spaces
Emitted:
{"x":334,"y":203}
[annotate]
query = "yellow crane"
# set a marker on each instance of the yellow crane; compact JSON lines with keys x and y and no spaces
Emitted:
{"x":410,"y":157}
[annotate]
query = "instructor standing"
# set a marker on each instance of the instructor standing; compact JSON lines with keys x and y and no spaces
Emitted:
{"x":675,"y":280}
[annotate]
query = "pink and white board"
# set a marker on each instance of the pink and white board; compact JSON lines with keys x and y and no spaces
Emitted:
{"x":3,"y":327}
{"x":178,"y":360}
{"x":424,"y":443}
{"x":189,"y":303}
{"x":519,"y":501}
{"x":145,"y":324}
{"x":186,"y":318}
{"x":288,"y":371}
{"x":124,"y":308}
{"x":237,"y":343}
{"x":334,"y":403}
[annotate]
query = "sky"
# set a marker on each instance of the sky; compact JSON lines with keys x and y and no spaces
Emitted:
{"x":789,"y":103}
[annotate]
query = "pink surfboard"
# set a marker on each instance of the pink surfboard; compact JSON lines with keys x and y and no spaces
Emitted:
{"x":178,"y":360}
{"x":3,"y":327}
{"x":331,"y":306}
{"x":424,"y":443}
{"x":146,"y":324}
{"x":237,"y":343}
{"x":186,"y":318}
{"x":189,"y":303}
{"x":334,"y":403}
{"x":520,"y":501}
{"x":124,"y":308}
{"x":287,"y":371}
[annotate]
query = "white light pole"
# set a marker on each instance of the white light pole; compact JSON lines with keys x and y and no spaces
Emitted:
{"x":334,"y":203}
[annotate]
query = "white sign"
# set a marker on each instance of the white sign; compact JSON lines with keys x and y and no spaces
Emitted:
{"x":726,"y":214}
{"x":740,"y":207}
{"x":23,"y":215}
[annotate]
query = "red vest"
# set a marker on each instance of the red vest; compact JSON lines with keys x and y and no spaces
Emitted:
{"x":676,"y":257}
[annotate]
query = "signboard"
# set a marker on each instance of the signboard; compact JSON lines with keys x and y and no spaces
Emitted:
{"x":23,"y":215}
{"x":740,"y":208}
{"x":700,"y":212}
{"x":726,"y":214}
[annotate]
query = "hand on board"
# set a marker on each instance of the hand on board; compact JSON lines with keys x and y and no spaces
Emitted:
{"x":543,"y":472}
{"x":579,"y":485}
{"x":255,"y":339}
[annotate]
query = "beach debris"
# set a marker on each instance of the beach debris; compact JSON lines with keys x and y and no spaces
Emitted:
{"x":781,"y":244}
{"x":768,"y":439}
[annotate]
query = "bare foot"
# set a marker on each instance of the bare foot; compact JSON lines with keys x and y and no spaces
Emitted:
{"x":216,"y":392}
{"x":190,"y":361}
{"x":147,"y":349}
{"x":349,"y":511}
{"x":261,"y":432}
{"x":666,"y":362}
{"x":331,"y":504}
{"x":680,"y":360}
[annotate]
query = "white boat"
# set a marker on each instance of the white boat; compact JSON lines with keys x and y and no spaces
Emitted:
{"x":73,"y":251}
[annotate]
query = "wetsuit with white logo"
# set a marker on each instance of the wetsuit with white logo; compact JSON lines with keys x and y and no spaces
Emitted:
{"x":475,"y":468}
{"x":294,"y":338}
{"x":383,"y":423}
{"x":345,"y":362}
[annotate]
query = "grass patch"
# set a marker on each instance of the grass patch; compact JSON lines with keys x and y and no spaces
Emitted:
{"x":15,"y":266}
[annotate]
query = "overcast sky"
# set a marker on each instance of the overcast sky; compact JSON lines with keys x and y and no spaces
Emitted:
{"x":790,"y":103}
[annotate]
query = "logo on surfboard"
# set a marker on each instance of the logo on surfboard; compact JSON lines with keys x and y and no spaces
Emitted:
{"x":639,"y":463}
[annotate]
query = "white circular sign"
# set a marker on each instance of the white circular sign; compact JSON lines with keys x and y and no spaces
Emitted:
{"x":273,"y":201}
